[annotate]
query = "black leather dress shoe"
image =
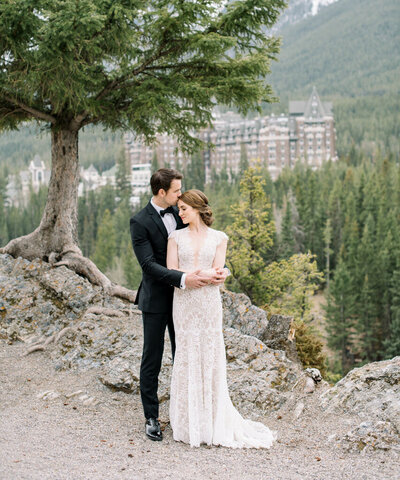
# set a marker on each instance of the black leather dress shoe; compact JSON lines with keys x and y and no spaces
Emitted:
{"x":153,"y":429}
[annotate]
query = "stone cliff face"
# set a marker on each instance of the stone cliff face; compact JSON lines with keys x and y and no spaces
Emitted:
{"x":54,"y":309}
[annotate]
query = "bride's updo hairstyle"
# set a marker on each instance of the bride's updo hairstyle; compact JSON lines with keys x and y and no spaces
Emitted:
{"x":197,"y":200}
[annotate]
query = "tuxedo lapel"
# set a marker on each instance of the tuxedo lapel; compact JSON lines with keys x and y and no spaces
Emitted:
{"x":157,"y":220}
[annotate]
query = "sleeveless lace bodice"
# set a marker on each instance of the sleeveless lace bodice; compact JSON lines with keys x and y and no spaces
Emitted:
{"x":201,"y":410}
{"x":203,"y":257}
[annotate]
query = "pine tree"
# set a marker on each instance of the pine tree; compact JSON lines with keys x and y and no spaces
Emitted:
{"x":340,"y":312}
{"x":287,"y":243}
{"x":309,"y":347}
{"x":105,"y":200}
{"x":150,"y":67}
{"x":87,"y":238}
{"x":392,"y":342}
{"x":251,"y":235}
{"x":336,"y":214}
{"x":123,"y":183}
{"x":223,"y":174}
{"x":121,"y":226}
{"x":288,"y":286}
{"x":154,"y":162}
{"x":195,"y":175}
{"x":105,"y":249}
{"x":3,"y":222}
{"x":311,"y":214}
{"x":328,"y":251}
{"x":369,"y":326}
{"x":244,"y":161}
{"x":132,"y":270}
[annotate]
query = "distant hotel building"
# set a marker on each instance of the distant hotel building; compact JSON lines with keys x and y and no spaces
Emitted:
{"x":307,"y":134}
{"x":139,"y":178}
{"x":19,"y":185}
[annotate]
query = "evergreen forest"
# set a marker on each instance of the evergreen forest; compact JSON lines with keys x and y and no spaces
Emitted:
{"x":332,"y":232}
{"x":338,"y":228}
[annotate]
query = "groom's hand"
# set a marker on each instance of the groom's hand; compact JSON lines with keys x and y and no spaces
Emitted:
{"x":196,"y":280}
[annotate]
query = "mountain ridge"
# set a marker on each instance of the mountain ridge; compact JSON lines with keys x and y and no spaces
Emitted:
{"x":298,"y":10}
{"x":349,"y":49}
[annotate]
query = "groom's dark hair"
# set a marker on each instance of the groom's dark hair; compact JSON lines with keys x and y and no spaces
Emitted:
{"x":162,"y":179}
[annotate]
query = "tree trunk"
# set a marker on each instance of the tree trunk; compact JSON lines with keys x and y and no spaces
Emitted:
{"x":55,"y":240}
{"x":60,"y":217}
{"x":57,"y":231}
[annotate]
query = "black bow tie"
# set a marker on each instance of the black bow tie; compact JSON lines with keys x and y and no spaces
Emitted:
{"x":167,"y":210}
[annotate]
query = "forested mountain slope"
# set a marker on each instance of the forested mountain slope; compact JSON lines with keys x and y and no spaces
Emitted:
{"x":351,"y":52}
{"x":351,"y":48}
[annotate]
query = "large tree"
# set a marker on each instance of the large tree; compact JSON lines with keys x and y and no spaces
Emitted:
{"x":147,"y":66}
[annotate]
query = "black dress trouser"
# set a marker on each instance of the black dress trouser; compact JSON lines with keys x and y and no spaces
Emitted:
{"x":154,"y":325}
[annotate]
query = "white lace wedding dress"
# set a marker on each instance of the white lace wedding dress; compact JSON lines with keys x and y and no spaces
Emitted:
{"x":201,"y":410}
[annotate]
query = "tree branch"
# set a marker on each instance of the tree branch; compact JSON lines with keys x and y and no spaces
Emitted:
{"x":78,"y":122}
{"x":12,"y":112}
{"x":177,"y":66}
{"x":33,"y":111}
{"x":117,"y":81}
{"x":81,"y":120}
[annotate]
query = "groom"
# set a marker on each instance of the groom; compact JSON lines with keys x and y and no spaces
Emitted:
{"x":149,"y":231}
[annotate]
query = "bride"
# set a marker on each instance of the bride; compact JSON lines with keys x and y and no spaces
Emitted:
{"x":201,"y":410}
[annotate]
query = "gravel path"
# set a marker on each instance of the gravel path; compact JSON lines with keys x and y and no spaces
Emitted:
{"x":75,"y":438}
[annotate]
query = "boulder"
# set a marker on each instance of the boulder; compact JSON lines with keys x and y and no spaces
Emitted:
{"x":372,"y":392}
{"x":370,"y":436}
{"x":275,"y":331}
{"x":260,"y":379}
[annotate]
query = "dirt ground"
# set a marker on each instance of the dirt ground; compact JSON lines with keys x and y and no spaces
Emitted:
{"x":99,"y":434}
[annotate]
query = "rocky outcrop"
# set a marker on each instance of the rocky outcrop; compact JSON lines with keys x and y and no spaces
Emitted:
{"x":370,"y":436}
{"x":258,"y":376}
{"x":276,"y":331}
{"x":82,"y":328}
{"x":39,"y":303}
{"x":373,"y":393}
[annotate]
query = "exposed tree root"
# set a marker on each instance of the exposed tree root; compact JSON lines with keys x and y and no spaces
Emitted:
{"x":61,"y":333}
{"x":40,"y":341}
{"x":28,"y":246}
{"x":35,"y":245}
{"x":34,"y":348}
{"x":105,"y":311}
{"x":74,"y":260}
{"x":41,"y":346}
{"x":49,"y":340}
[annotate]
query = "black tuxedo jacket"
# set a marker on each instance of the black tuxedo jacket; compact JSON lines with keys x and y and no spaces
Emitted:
{"x":149,"y":240}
